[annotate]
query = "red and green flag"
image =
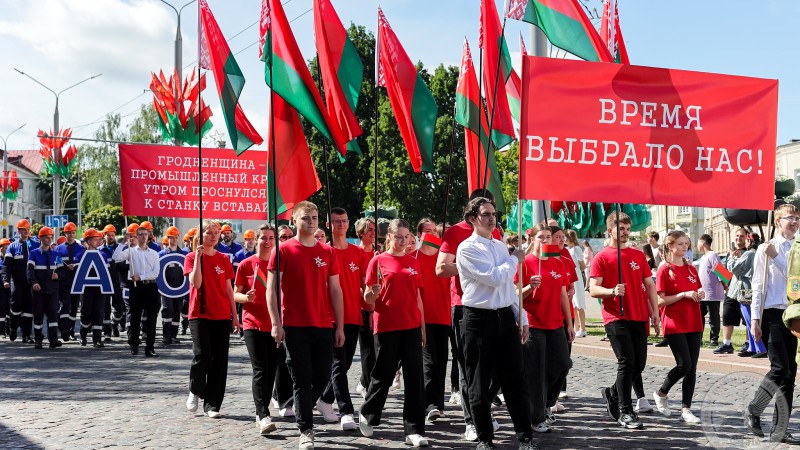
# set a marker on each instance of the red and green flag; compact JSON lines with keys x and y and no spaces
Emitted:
{"x":286,"y":72}
{"x":611,"y":34}
{"x":566,"y":25}
{"x":431,"y":240}
{"x":472,"y":116}
{"x":295,"y":178}
{"x":514,"y":87}
{"x":412,"y":102}
{"x":723,"y":274}
{"x":495,"y":50}
{"x":550,"y":250}
{"x":342,"y":71}
{"x":217,"y":57}
{"x":260,"y":277}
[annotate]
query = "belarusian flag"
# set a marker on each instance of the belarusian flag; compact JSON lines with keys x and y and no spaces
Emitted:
{"x":550,"y":250}
{"x":217,"y":57}
{"x":514,"y":86}
{"x":260,"y":277}
{"x":471,"y":114}
{"x":412,"y":102}
{"x":296,"y":178}
{"x":566,"y":25}
{"x":495,"y":51}
{"x":611,"y":34}
{"x":723,"y":274}
{"x":431,"y":240}
{"x":341,"y":69}
{"x":286,"y":72}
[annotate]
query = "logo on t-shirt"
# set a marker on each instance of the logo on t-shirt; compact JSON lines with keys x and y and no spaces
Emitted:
{"x":219,"y":270}
{"x":320,"y":262}
{"x":634,"y":266}
{"x":555,"y":274}
{"x":692,"y":279}
{"x":353,"y":267}
{"x":412,"y":271}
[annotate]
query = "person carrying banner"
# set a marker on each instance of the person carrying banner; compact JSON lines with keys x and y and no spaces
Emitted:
{"x":211,"y":309}
{"x":310,"y":297}
{"x":679,"y":296}
{"x":626,"y":328}
{"x":171,"y":306}
{"x":251,"y":293}
{"x":775,"y":259}
{"x":93,"y":300}
{"x":5,"y":294}
{"x":115,"y":306}
{"x":70,"y":253}
{"x":43,"y":279}
{"x":395,"y":286}
{"x":352,"y":271}
{"x":15,"y":264}
{"x":365,"y":230}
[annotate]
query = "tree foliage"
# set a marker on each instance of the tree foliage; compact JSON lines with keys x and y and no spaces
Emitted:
{"x":107,"y":214}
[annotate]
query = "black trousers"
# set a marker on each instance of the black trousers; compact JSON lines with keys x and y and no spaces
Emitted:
{"x":391,"y":349}
{"x":21,"y":308}
{"x":45,"y":304}
{"x":5,"y":295}
{"x":283,"y":392}
{"x":781,"y":349}
{"x":454,"y":367}
{"x":171,"y":315}
{"x":143,"y":298}
{"x":118,"y":304}
{"x":69,"y":304}
{"x":264,"y":360}
{"x":309,"y":351}
{"x":337,"y":388}
{"x":686,"y":349}
{"x":547,"y":363}
{"x":93,"y":306}
{"x":492,"y":343}
{"x":629,"y":342}
{"x":569,"y":348}
{"x":711,"y":308}
{"x":366,"y":346}
{"x":209,"y":371}
{"x":434,"y":365}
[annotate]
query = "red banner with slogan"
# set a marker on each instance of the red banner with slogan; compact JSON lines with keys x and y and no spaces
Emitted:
{"x":600,"y":132}
{"x":163,"y":181}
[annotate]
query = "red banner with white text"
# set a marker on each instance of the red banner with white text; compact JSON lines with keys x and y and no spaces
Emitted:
{"x":599,"y":132}
{"x":163,"y":181}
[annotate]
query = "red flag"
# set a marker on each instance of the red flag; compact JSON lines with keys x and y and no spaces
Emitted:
{"x":495,"y":58}
{"x":611,"y":34}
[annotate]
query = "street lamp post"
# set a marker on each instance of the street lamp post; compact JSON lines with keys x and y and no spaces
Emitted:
{"x":57,"y":176}
{"x":178,"y":54}
{"x":6,"y":230}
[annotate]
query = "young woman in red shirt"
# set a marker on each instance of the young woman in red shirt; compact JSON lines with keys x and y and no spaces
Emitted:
{"x":394,"y":287}
{"x":679,"y":295}
{"x":211,"y":308}
{"x":546,"y":351}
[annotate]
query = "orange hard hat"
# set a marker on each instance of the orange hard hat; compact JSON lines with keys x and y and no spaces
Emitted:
{"x":61,"y":240}
{"x":23,"y":224}
{"x":146,"y":225}
{"x":70,"y":227}
{"x":186,"y":237}
{"x":5,"y":242}
{"x":165,"y":241}
{"x":192,"y":231}
{"x":109,"y":229}
{"x":249,"y":234}
{"x":46,"y":231}
{"x":91,"y":233}
{"x":225,"y":228}
{"x":173,"y":232}
{"x":132,"y":228}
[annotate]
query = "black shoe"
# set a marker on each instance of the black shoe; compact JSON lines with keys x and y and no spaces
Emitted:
{"x":121,"y":327}
{"x":38,"y":345}
{"x":528,"y":444}
{"x":183,"y":331}
{"x":134,"y":349}
{"x":724,"y":348}
{"x":175,"y":341}
{"x":789,"y":439}
{"x":12,"y":335}
{"x":497,"y":401}
{"x":114,"y":331}
{"x":83,"y":340}
{"x":713,"y":344}
{"x":150,"y":353}
{"x":663,"y":343}
{"x":98,"y":344}
{"x":753,"y":423}
{"x":25,"y":339}
{"x":745,"y":347}
{"x":65,"y":337}
{"x":760,"y":355}
{"x":746,"y":354}
{"x":167,"y":341}
{"x":485,"y":446}
{"x":107,"y":339}
{"x":612,"y":406}
{"x":630,"y":421}
{"x":55,"y":344}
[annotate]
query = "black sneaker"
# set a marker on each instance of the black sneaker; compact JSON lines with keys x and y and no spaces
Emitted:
{"x":753,"y":423}
{"x":724,"y":348}
{"x":746,"y":354}
{"x":55,"y":344}
{"x":663,"y":343}
{"x":760,"y":355}
{"x":713,"y":344}
{"x":612,"y":406}
{"x":630,"y":421}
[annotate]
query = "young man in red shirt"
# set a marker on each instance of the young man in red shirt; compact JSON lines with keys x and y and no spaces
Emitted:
{"x":626,"y":321}
{"x":310,"y":298}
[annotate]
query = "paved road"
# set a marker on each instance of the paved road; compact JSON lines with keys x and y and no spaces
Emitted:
{"x":88,"y":398}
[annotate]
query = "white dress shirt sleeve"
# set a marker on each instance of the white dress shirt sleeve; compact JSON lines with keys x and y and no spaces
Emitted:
{"x":479,"y":267}
{"x":758,"y":283}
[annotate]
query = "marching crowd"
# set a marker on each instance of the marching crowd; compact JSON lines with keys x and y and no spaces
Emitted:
{"x":429,"y":293}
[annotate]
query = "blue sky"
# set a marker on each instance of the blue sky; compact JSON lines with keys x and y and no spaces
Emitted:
{"x":62,"y":42}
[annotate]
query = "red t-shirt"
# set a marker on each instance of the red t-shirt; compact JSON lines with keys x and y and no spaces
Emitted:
{"x":352,"y":271}
{"x":396,"y":307}
{"x":216,"y":270}
{"x":635,"y":271}
{"x":305,"y":301}
{"x":453,"y":237}
{"x":684,"y":315}
{"x":255,"y":315}
{"x":435,"y":291}
{"x":543,"y":305}
{"x":569,"y":264}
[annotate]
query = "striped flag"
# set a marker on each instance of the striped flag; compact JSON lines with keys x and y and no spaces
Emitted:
{"x":431,"y":241}
{"x":260,"y":277}
{"x":723,"y":274}
{"x":550,"y":250}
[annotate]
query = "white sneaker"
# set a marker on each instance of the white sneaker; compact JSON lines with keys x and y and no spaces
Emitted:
{"x":563,"y":395}
{"x":326,"y":409}
{"x":583,"y":333}
{"x":642,"y":406}
{"x":416,"y":440}
{"x":286,"y":412}
{"x":265,"y":426}
{"x":471,"y":434}
{"x":191,"y":402}
{"x":364,"y":427}
{"x":662,"y":403}
{"x":549,"y":418}
{"x":396,"y":384}
{"x":348,"y":423}
{"x":361,"y":390}
{"x":558,"y":408}
{"x":306,"y":439}
{"x":688,"y":417}
{"x":541,"y":428}
{"x":501,"y":397}
{"x":455,"y":399}
{"x":275,"y":404}
{"x":213,"y":414}
{"x":434,"y":414}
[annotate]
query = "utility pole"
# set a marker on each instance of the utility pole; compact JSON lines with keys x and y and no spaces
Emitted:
{"x":539,"y":44}
{"x":7,"y":229}
{"x":178,"y":55}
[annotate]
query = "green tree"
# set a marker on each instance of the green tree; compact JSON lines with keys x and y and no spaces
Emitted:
{"x":107,"y":214}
